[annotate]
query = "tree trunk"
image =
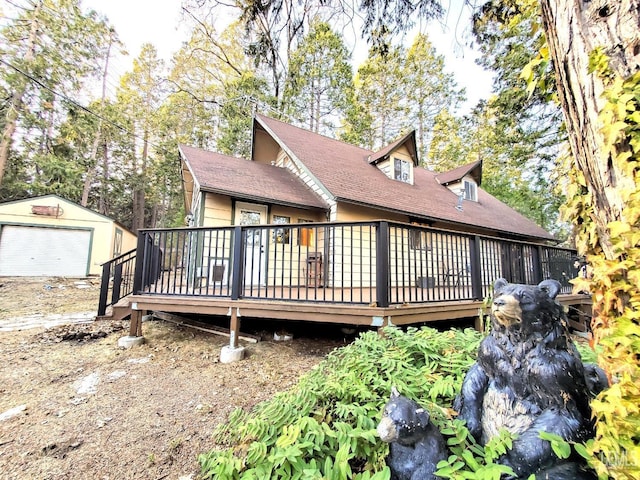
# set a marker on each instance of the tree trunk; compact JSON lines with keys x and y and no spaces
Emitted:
{"x":95,"y":161}
{"x":139,"y":192}
{"x":15,"y":104}
{"x":574,"y":29}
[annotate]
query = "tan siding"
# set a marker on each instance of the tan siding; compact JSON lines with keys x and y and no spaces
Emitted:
{"x":217,"y":210}
{"x":292,"y":256}
{"x":355,"y":213}
{"x":265,"y":148}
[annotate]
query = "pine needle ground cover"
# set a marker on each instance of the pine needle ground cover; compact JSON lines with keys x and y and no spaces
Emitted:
{"x":324,"y":427}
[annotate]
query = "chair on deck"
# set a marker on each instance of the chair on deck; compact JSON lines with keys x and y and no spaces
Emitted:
{"x":455,"y":276}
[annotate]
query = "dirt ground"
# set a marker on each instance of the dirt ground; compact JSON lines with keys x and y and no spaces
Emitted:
{"x":75,"y":406}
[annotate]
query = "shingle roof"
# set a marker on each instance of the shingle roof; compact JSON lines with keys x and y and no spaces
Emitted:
{"x":344,"y":171}
{"x":246,"y":179}
{"x":386,"y":151}
{"x":455,"y":175}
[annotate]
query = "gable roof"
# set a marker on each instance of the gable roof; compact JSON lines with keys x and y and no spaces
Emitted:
{"x":344,"y":171}
{"x":64,"y":201}
{"x":409,"y":140}
{"x":452,"y":176}
{"x":245,"y":179}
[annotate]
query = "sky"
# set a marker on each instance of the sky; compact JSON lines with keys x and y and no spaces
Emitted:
{"x":158,"y":22}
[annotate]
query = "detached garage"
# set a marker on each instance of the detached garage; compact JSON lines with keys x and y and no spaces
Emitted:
{"x":53,"y":237}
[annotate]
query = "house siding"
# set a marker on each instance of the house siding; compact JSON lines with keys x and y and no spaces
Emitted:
{"x":347,"y":212}
{"x":217,"y":210}
{"x":266,"y":149}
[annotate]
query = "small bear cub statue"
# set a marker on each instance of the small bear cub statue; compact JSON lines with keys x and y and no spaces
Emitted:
{"x":529,"y":378}
{"x":415,"y":444}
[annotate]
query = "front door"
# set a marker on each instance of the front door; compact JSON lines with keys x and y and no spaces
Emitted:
{"x":255,"y":241}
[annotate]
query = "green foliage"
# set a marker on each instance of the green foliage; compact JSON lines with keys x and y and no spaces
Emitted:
{"x":320,"y":80}
{"x":518,"y":131}
{"x":324,"y":427}
{"x":236,"y":114}
{"x":398,"y":90}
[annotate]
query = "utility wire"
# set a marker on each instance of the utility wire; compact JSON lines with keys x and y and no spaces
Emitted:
{"x":79,"y":105}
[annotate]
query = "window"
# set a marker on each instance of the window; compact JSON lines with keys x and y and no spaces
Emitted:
{"x":418,"y":240}
{"x":281,"y":235}
{"x":470,"y":191}
{"x":402,"y":170}
{"x":117,"y":243}
{"x":305,"y":235}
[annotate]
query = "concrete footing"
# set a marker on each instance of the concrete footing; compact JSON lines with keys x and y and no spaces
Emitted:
{"x":129,"y":341}
{"x":230,"y":354}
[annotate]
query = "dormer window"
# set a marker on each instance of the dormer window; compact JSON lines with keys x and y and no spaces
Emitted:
{"x":470,"y":190}
{"x":402,"y":170}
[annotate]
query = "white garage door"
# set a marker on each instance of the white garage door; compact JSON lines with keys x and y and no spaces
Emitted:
{"x":37,"y":251}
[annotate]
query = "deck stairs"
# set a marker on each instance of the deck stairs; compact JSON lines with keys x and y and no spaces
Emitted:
{"x":119,"y":311}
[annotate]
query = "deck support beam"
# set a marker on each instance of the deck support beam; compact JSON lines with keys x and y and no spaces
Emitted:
{"x":234,"y":328}
{"x":233,"y":352}
{"x":135,"y":326}
{"x":135,"y":337}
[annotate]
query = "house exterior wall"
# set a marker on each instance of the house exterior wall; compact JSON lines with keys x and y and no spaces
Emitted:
{"x":265,"y":148}
{"x":218,"y":211}
{"x":289,"y":255}
{"x":123,"y":240}
{"x":386,"y":166}
{"x":348,"y":212}
{"x":104,"y":241}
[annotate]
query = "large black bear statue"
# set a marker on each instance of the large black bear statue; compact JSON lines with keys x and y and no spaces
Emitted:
{"x":529,"y":378}
{"x":415,"y":443}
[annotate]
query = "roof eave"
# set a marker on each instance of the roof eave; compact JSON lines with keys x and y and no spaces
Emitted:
{"x":260,"y":199}
{"x":431,"y":219}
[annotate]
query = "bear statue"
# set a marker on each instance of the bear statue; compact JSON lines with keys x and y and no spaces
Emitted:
{"x":529,"y":378}
{"x":415,"y":443}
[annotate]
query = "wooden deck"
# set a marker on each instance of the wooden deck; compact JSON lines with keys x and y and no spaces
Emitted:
{"x":333,"y":313}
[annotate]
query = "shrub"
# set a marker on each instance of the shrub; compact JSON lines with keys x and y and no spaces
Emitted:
{"x":324,"y":427}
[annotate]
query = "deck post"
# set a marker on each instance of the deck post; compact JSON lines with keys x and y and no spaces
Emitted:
{"x":237,"y":268}
{"x":135,"y":337}
{"x":537,"y":264}
{"x":474,"y":258}
{"x":382,"y":264}
{"x":135,"y":326}
{"x":233,"y":352}
{"x":104,"y":288}
{"x":234,"y":328}
{"x":140,"y":254}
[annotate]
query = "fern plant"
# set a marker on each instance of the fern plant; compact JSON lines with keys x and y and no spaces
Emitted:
{"x":324,"y":427}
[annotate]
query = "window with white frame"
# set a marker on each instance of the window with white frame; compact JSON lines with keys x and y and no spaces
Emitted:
{"x":470,"y":191}
{"x":402,"y":170}
{"x":281,"y":234}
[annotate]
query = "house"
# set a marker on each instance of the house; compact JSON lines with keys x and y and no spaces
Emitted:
{"x":51,"y":236}
{"x":314,"y":229}
{"x":295,"y":176}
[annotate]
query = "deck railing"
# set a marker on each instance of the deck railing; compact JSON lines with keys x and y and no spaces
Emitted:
{"x":378,"y":262}
{"x":117,"y":280}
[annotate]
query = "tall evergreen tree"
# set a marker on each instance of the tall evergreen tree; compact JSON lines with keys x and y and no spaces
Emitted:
{"x":429,"y":88}
{"x":49,"y":52}
{"x":320,"y":80}
{"x":141,"y":93}
{"x":380,"y":95}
